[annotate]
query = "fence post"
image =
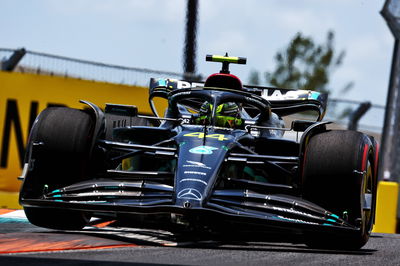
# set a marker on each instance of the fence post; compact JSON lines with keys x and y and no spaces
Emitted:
{"x":12,"y":62}
{"x":356,"y":115}
{"x":190,"y":39}
{"x":389,"y":164}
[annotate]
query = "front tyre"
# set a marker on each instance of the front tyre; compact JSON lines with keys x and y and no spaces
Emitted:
{"x":58,"y":150}
{"x":339,"y":175}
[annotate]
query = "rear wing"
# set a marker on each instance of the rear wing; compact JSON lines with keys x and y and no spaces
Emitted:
{"x":283,"y":101}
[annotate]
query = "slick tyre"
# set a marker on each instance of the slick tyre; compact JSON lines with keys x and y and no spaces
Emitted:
{"x":339,"y":174}
{"x":62,"y":137}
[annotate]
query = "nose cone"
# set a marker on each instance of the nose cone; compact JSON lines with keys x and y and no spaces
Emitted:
{"x":201,"y":154}
{"x":197,"y":171}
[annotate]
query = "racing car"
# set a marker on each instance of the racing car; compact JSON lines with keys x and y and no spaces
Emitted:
{"x":217,"y":164}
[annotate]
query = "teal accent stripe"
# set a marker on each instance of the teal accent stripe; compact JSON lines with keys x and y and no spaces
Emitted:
{"x":334,"y":216}
{"x":10,"y":220}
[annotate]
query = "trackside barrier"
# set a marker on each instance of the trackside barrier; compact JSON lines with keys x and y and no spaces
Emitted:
{"x":386,"y":209}
{"x":9,"y":200}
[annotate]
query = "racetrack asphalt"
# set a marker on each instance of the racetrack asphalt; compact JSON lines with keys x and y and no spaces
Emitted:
{"x":24,"y":244}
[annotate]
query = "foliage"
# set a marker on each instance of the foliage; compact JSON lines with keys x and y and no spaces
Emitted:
{"x":254,"y":78}
{"x":304,"y":64}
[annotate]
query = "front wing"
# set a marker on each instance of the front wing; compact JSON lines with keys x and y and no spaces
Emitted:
{"x":243,"y":210}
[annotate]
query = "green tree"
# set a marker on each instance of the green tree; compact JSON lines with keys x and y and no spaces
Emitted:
{"x":306,"y":65}
{"x":254,"y":78}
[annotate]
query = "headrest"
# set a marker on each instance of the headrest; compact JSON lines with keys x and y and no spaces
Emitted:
{"x":228,"y":81}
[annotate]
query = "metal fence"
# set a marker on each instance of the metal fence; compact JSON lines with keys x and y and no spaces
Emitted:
{"x":42,"y":63}
{"x":339,"y":111}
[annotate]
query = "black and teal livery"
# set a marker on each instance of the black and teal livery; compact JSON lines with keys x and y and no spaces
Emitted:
{"x":242,"y":182}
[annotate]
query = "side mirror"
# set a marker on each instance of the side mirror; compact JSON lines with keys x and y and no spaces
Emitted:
{"x":301,"y":125}
{"x":120,"y":109}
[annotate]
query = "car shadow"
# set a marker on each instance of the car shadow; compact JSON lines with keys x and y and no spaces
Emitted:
{"x":32,"y":261}
{"x":294,"y":248}
{"x":147,"y":237}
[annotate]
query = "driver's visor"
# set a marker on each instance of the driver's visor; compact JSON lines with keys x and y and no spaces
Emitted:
{"x":220,"y":121}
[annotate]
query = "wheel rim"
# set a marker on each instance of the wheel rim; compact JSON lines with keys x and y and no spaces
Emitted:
{"x":367,"y":197}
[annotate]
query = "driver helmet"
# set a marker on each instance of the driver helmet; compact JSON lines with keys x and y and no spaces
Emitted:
{"x":227,"y":115}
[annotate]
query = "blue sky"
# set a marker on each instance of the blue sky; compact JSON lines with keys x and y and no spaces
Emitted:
{"x":150,"y":34}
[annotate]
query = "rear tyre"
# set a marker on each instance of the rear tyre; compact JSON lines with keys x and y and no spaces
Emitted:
{"x":339,"y":175}
{"x":63,"y":138}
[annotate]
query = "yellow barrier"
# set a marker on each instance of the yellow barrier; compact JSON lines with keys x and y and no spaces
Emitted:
{"x":386,"y":208}
{"x":23,"y":96}
{"x":9,"y":200}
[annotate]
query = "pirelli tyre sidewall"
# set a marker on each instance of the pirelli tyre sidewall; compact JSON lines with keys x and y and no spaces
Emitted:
{"x":339,"y":174}
{"x":58,"y":153}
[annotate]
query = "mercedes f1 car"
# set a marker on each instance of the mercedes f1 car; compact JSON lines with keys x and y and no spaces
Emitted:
{"x":216,"y":164}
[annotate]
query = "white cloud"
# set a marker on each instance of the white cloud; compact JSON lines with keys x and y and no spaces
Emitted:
{"x":125,"y":10}
{"x":367,"y":48}
{"x":302,"y":20}
{"x":229,"y":40}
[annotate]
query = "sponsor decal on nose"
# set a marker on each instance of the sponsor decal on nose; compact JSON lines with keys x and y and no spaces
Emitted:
{"x":189,"y":193}
{"x":203,"y":150}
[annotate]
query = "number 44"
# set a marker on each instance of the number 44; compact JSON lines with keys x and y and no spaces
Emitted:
{"x":200,"y":135}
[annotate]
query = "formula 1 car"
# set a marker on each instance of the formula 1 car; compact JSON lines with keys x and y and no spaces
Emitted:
{"x":217,"y":164}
